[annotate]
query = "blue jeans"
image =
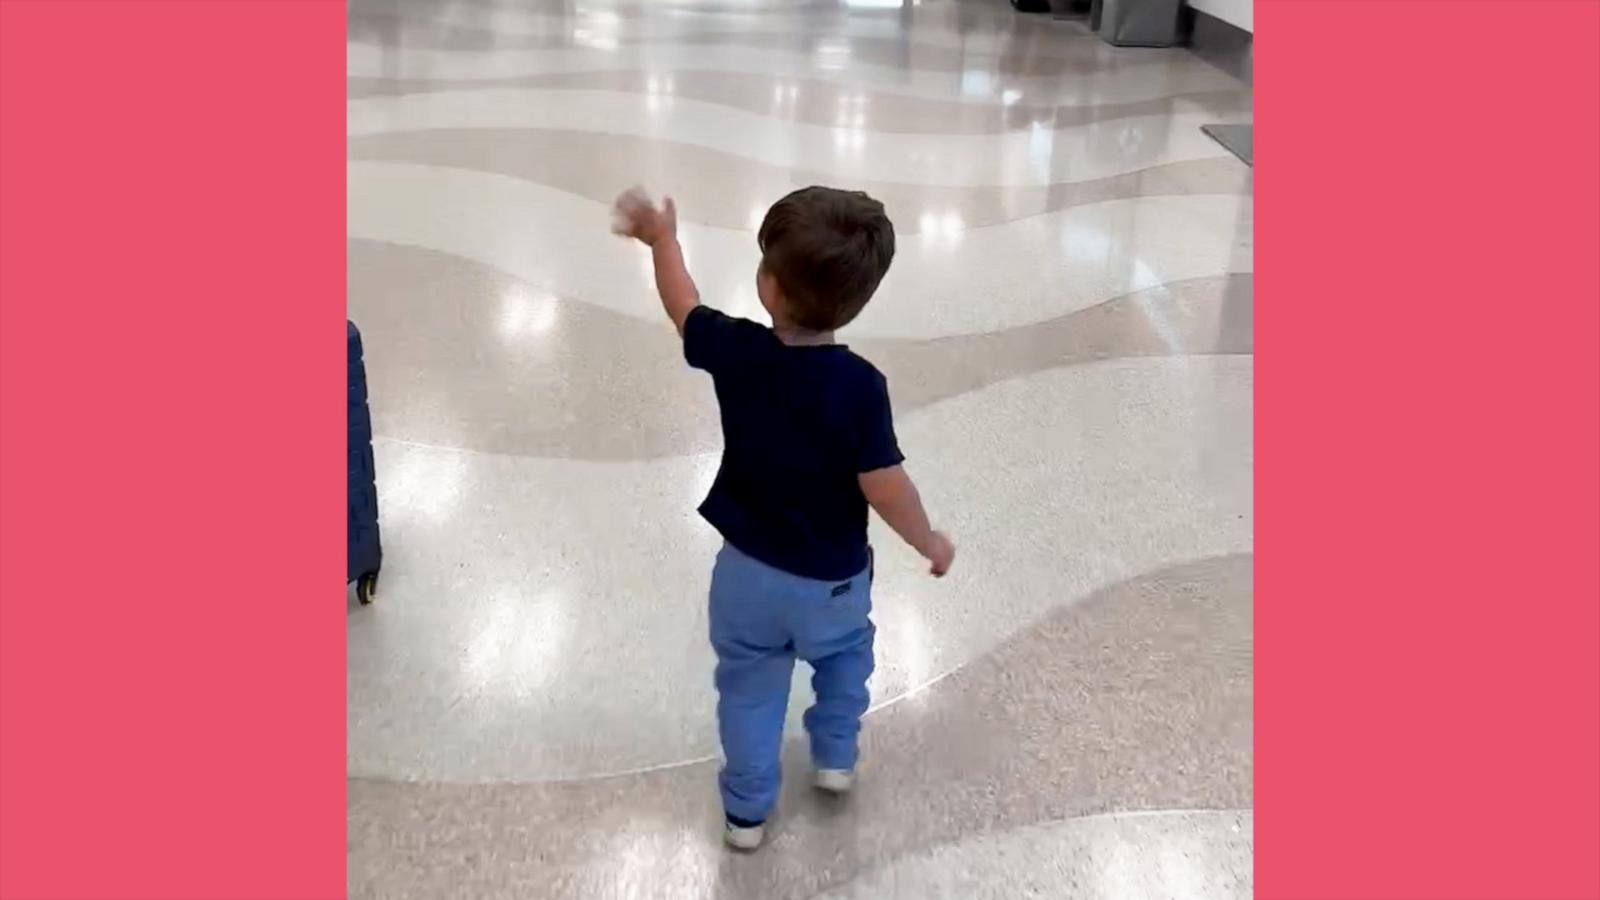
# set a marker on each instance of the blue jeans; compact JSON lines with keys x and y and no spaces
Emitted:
{"x":761,"y":619}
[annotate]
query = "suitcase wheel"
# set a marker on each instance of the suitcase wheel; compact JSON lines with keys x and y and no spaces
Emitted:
{"x":367,"y":588}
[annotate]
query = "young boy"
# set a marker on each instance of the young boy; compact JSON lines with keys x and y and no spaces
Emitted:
{"x":808,"y":444}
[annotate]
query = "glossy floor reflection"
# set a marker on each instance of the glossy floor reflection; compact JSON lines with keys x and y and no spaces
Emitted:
{"x":1067,"y":332}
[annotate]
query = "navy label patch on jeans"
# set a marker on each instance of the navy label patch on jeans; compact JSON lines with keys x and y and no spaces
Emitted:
{"x":841,"y":590}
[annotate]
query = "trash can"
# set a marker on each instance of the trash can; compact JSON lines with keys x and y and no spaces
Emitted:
{"x":1140,"y":23}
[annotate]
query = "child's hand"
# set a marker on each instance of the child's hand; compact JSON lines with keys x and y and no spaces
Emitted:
{"x":941,"y":553}
{"x":636,"y":216}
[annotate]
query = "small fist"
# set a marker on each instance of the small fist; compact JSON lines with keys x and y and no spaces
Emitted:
{"x":636,"y":215}
{"x":941,"y":553}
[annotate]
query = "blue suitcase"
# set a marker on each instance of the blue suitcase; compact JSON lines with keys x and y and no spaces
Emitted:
{"x":363,"y":552}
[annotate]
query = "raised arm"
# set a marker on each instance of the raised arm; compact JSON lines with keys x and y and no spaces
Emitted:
{"x":891,"y":492}
{"x":636,"y":216}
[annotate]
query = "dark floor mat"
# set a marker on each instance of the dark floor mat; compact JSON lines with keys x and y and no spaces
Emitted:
{"x":1236,"y":138}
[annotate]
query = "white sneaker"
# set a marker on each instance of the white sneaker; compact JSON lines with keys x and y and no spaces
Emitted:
{"x":835,"y":781}
{"x":743,"y":838}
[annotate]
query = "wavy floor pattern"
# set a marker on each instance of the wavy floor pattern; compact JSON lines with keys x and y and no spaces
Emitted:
{"x":1042,"y":266}
{"x":511,"y":644}
{"x":1125,"y":80}
{"x":1035,"y":157}
{"x":730,"y":191}
{"x":1021,"y":43}
{"x":442,"y":399}
{"x":1149,"y":854}
{"x":1137,"y":698}
{"x":1067,"y":335}
{"x":828,"y":103}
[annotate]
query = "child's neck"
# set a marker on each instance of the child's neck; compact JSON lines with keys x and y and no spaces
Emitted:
{"x":795,"y":336}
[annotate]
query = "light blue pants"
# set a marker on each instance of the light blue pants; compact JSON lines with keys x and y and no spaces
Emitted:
{"x":761,"y":619}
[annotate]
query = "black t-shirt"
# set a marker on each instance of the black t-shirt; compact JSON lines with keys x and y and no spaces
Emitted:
{"x":799,"y":424}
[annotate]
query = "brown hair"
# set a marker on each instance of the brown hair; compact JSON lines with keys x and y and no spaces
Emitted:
{"x":828,"y":249}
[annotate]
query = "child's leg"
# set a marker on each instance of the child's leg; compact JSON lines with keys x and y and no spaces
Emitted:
{"x":835,"y":637}
{"x":754,"y":664}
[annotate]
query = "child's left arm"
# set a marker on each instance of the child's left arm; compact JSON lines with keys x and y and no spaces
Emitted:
{"x":657,"y":227}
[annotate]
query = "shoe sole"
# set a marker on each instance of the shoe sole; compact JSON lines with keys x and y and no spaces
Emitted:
{"x":837,"y":788}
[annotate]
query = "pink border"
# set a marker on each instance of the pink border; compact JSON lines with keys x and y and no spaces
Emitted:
{"x":171,"y":368}
{"x":171,"y":657}
{"x":1428,"y":385}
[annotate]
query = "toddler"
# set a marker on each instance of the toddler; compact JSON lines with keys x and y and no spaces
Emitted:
{"x":808,"y":445}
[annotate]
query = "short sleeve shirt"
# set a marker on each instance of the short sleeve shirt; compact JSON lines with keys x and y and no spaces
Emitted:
{"x":799,"y":425}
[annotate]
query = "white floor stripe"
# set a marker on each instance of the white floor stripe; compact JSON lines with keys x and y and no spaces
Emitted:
{"x":1036,"y":156}
{"x":545,"y":619}
{"x":1140,"y":78}
{"x":943,"y":282}
{"x":1047,"y":40}
{"x":1180,"y":854}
